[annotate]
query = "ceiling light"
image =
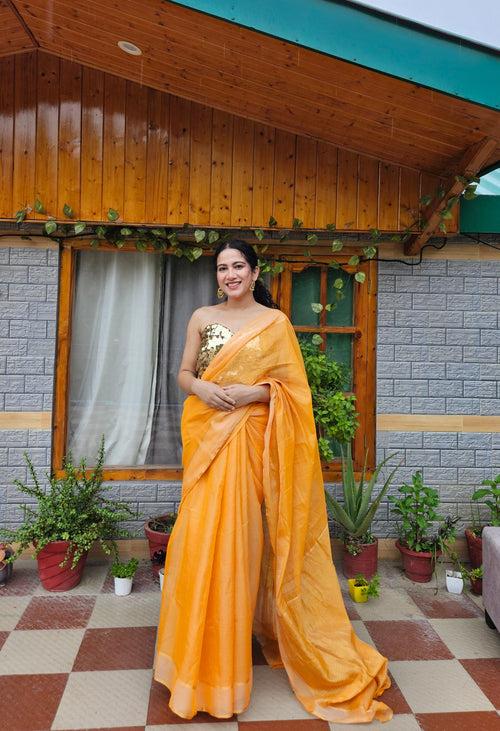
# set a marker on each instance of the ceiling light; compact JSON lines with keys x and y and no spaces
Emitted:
{"x":130,"y":48}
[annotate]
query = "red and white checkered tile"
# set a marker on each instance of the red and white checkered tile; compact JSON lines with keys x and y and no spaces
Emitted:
{"x":82,"y":660}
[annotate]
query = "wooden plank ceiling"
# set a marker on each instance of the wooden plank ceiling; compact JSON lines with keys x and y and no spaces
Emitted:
{"x":267,"y":80}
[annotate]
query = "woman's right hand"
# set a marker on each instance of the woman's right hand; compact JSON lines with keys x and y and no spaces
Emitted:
{"x":212,"y":395}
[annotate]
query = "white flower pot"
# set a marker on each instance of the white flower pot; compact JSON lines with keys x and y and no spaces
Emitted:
{"x":454,"y":582}
{"x":161,"y":575}
{"x":123,"y":587}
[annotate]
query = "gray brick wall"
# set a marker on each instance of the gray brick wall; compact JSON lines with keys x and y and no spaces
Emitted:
{"x":28,"y":302}
{"x":438,"y":353}
{"x":438,"y":342}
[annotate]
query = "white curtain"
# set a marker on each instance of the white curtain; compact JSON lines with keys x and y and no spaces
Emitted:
{"x":114,"y":354}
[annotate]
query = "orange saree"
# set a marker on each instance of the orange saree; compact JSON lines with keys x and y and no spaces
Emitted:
{"x":251,"y":549}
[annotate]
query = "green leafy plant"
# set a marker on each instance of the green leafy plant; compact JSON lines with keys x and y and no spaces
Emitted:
{"x":124,"y":570}
{"x":355,"y":515}
{"x":334,"y":412}
{"x":472,"y":574}
{"x":74,"y":508}
{"x":163,"y":523}
{"x":373,"y":585}
{"x":491,"y":491}
{"x":417,"y":511}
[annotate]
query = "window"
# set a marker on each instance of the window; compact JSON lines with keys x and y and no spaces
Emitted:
{"x":348,"y":333}
{"x":122,"y":322}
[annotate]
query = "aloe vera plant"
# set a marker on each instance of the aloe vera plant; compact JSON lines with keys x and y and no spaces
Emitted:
{"x":358,"y":509}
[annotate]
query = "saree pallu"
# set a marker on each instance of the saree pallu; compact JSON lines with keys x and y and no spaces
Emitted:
{"x":251,"y":548}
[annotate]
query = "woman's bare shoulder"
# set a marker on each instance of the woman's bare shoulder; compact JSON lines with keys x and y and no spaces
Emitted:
{"x":204,"y":315}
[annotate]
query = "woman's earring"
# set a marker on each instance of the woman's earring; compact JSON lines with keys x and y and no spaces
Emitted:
{"x":252,"y":287}
{"x":220,"y":293}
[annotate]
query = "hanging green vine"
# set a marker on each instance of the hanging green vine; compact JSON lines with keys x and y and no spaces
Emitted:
{"x":190,"y":242}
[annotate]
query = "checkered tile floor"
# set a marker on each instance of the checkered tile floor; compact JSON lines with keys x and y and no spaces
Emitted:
{"x":83,"y":660}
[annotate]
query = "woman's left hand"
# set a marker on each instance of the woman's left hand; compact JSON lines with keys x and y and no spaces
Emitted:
{"x":244,"y":395}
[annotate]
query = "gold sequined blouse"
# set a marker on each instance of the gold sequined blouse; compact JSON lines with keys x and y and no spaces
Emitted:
{"x":213,"y":337}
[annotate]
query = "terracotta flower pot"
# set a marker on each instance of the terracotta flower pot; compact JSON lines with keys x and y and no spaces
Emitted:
{"x":476,"y":586}
{"x":418,"y":565}
{"x":5,"y":568}
{"x":158,"y":542}
{"x":365,"y":562}
{"x":475,"y":546}
{"x":52,"y":575}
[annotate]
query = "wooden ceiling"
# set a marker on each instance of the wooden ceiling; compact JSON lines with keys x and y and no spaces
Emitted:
{"x":246,"y":73}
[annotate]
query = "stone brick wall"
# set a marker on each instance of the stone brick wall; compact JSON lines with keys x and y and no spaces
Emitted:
{"x":438,"y":338}
{"x":28,"y":304}
{"x":438,"y":343}
{"x":438,"y":353}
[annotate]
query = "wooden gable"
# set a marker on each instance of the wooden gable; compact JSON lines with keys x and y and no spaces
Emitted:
{"x":72,"y":134}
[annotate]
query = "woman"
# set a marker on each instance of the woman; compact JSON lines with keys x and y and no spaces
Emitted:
{"x":251,"y":547}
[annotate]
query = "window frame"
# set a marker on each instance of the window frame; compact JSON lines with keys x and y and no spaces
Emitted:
{"x":364,"y":334}
{"x":363,"y":370}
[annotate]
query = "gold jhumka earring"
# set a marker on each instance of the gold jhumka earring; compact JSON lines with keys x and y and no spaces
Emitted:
{"x":252,"y":287}
{"x":220,"y":293}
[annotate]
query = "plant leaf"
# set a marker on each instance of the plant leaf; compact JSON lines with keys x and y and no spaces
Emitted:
{"x":297,"y":223}
{"x":360,"y":277}
{"x":112,"y":214}
{"x":50,"y":227}
{"x":316,"y":307}
{"x":353,"y":261}
{"x":337,"y":245}
{"x":39,"y":207}
{"x":259,"y":233}
{"x":79,"y":227}
{"x":67,"y":210}
{"x":199,"y":235}
{"x":272,"y":221}
{"x":213,"y":236}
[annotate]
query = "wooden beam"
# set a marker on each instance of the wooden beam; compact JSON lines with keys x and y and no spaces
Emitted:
{"x":23,"y":23}
{"x":473,"y":160}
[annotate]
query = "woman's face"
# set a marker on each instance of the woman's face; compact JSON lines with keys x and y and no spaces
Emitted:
{"x":234,"y":274}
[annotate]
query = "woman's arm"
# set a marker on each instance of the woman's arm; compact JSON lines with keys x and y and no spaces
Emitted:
{"x":208,"y":392}
{"x":244,"y":395}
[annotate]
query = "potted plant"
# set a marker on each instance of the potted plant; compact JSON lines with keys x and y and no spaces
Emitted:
{"x":158,"y":530}
{"x":361,"y":589}
{"x":68,"y":518}
{"x":123,"y":573}
{"x":417,"y":513}
{"x":355,"y":516}
{"x":5,"y":564}
{"x":491,"y":491}
{"x":475,"y":576}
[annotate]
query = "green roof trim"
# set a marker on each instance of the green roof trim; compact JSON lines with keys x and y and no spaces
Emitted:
{"x":371,"y":39}
{"x":481,"y":215}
